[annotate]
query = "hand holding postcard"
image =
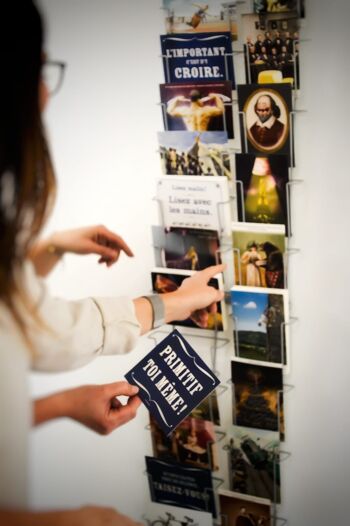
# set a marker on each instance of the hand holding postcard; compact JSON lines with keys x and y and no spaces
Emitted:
{"x":173,"y":380}
{"x":212,"y":318}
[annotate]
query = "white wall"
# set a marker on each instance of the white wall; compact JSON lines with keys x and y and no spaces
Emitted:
{"x":103,"y":128}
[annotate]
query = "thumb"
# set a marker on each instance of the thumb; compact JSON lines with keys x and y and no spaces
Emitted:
{"x":220,"y":295}
{"x":121,"y":389}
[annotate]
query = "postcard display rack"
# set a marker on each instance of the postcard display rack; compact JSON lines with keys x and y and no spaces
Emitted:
{"x":224,"y":195}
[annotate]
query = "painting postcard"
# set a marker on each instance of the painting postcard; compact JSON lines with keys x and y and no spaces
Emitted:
{"x":265,"y":119}
{"x":259,"y":255}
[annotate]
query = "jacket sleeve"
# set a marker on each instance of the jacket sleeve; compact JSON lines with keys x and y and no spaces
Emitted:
{"x":68,"y":334}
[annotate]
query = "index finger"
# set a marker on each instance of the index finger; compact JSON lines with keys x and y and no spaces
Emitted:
{"x":114,"y":238}
{"x":210,"y":272}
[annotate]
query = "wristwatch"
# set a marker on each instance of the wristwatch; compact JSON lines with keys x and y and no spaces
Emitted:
{"x":158,"y":310}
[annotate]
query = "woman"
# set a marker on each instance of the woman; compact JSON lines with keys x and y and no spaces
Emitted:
{"x":36,"y":330}
{"x":251,"y":259}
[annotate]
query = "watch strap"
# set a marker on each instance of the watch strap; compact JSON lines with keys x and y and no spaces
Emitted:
{"x":158,"y":310}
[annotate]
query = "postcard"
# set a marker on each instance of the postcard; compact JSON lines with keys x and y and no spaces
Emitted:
{"x":185,"y":248}
{"x":265,"y":127}
{"x":173,"y":380}
{"x":197,"y":57}
{"x":254,"y":463}
{"x":197,"y":106}
{"x":207,"y":319}
{"x":263,"y":182}
{"x":162,"y":515}
{"x":261,"y":327}
{"x":278,"y":6}
{"x":214,"y":16}
{"x":256,"y":395}
{"x":259,"y":255}
{"x":184,"y":486}
{"x":208,"y":409}
{"x":271,"y":48}
{"x":194,"y":202}
{"x":192,"y":443}
{"x":240,"y":510}
{"x":194,"y":153}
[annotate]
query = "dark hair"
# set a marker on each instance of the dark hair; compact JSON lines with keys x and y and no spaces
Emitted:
{"x":26,"y":175}
{"x":252,"y":244}
{"x":276,"y":112}
{"x":195,"y":95}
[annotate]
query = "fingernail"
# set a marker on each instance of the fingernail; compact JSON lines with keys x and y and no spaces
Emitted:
{"x":134,"y":389}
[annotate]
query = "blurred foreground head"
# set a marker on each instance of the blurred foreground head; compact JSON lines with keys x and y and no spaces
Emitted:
{"x":26,"y":176}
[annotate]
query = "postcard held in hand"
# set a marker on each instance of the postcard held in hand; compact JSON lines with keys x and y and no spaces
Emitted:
{"x":173,"y":380}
